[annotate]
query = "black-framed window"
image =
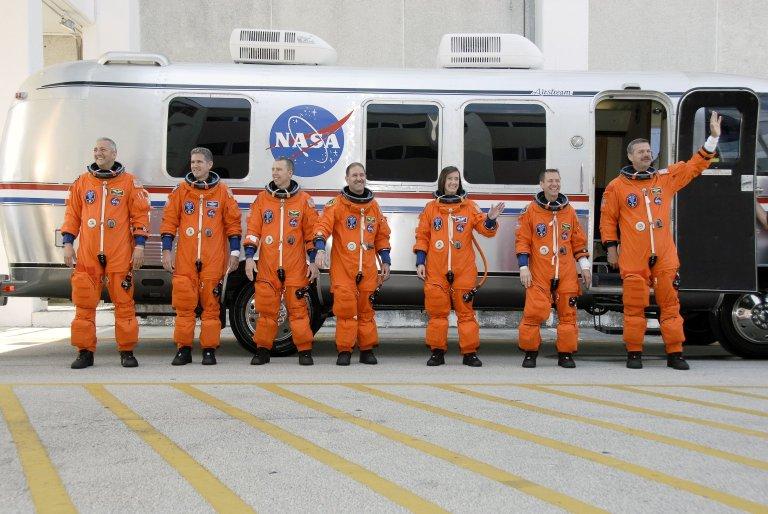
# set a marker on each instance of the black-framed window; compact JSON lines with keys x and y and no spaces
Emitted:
{"x":761,"y":152}
{"x":504,"y":143}
{"x":402,"y":142}
{"x":223,"y":125}
{"x":728,"y":146}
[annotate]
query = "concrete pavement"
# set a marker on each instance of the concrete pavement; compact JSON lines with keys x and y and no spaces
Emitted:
{"x":389,"y":438}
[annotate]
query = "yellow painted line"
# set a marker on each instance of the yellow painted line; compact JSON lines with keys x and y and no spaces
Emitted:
{"x":499,"y":475}
{"x":730,"y":390}
{"x":650,"y":412}
{"x":221,"y":498}
{"x":693,"y":401}
{"x":561,"y":446}
{"x":45,"y":485}
{"x":382,"y":486}
{"x":634,"y":432}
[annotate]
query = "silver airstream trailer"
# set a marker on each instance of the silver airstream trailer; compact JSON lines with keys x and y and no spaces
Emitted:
{"x":485,"y":111}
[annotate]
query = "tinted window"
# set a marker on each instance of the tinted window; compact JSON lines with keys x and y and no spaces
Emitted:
{"x":762,"y":137}
{"x":223,"y":125}
{"x":402,"y":142}
{"x":504,"y":144}
{"x":730,"y":137}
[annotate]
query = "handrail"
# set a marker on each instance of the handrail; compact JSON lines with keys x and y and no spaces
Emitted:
{"x":137,"y":58}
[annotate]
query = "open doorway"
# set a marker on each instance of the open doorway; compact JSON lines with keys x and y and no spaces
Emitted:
{"x":617,"y":122}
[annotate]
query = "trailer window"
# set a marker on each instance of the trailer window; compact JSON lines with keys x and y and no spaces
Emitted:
{"x":223,"y":125}
{"x":762,"y":137}
{"x":504,"y":144}
{"x":730,"y":137}
{"x":402,"y":142}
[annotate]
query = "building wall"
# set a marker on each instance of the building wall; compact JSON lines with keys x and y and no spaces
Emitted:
{"x":59,"y":48}
{"x":726,"y":36}
{"x":387,"y":33}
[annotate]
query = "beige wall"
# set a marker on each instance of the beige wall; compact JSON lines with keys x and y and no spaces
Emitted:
{"x":389,"y":33}
{"x":58,"y":48}
{"x":726,"y":36}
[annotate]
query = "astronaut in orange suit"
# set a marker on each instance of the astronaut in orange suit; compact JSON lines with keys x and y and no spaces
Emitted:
{"x":109,"y":210}
{"x":445,"y":261}
{"x":280,"y":227}
{"x":549,"y":242}
{"x":635,"y":230}
{"x":360,"y":232}
{"x":206,"y":216}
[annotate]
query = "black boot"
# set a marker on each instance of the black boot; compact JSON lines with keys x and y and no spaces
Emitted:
{"x":367,"y":357}
{"x":676,"y":361}
{"x":209,"y":356}
{"x":305,"y":358}
{"x":127,"y":360}
{"x":471,"y":360}
{"x":565,"y":360}
{"x":437,"y":358}
{"x":83,"y":360}
{"x":529,"y":361}
{"x":261,"y":357}
{"x":344,"y":359}
{"x":183,"y":356}
{"x":635,"y":360}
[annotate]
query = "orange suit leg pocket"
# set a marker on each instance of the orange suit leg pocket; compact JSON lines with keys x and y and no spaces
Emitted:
{"x":126,"y":324}
{"x":536,"y":311}
{"x":184,"y":294}
{"x":367,"y":335}
{"x":567,"y":328}
{"x":267,"y":302}
{"x":437,"y":303}
{"x":345,"y":310}
{"x":86,"y":292}
{"x":635,"y":298}
{"x":468,"y":328}
{"x":669,"y":304}
{"x":298,"y":318}
{"x":184,"y":302}
{"x":210,"y":324}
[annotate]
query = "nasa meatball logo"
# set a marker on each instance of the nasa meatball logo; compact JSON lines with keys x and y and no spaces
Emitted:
{"x":309,"y":135}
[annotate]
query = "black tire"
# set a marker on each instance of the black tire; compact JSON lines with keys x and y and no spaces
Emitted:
{"x":743,"y":323}
{"x":242,"y":319}
{"x":697,"y":327}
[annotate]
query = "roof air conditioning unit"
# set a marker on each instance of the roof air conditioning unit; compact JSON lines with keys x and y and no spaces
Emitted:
{"x":279,"y":47}
{"x":488,"y":51}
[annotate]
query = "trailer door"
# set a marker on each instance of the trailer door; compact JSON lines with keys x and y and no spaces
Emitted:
{"x":715,"y":213}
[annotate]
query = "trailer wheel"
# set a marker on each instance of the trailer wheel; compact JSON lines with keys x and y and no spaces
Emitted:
{"x":744,"y":325}
{"x":698,"y":329}
{"x":243,"y":316}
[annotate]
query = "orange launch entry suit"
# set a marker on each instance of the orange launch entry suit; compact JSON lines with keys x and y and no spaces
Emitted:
{"x":207,"y":219}
{"x":359,"y":231}
{"x":444,"y":246}
{"x":280,"y":226}
{"x":109,"y":211}
{"x":550,"y":241}
{"x":635,"y":214}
